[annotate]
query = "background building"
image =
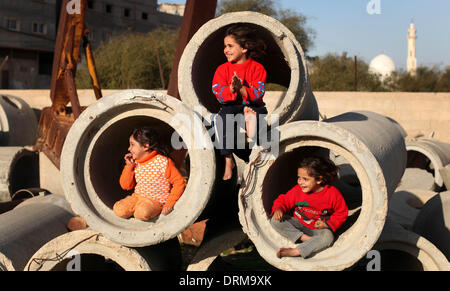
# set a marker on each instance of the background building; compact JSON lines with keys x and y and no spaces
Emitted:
{"x":28,"y":32}
{"x":171,"y":8}
{"x":382,"y":65}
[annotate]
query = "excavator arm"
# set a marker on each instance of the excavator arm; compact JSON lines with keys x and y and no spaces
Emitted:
{"x":57,"y":119}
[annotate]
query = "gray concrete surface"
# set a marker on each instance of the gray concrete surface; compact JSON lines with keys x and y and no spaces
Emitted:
{"x":85,"y":250}
{"x":18,"y":122}
{"x":405,"y":205}
{"x":433,"y":222}
{"x":28,"y":227}
{"x":416,"y":178}
{"x":212,"y":248}
{"x":405,"y":250}
{"x":445,"y":174}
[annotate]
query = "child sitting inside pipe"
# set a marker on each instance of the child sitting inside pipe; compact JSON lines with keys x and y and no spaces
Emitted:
{"x":319,"y":209}
{"x":239,"y":86}
{"x":156,"y":181}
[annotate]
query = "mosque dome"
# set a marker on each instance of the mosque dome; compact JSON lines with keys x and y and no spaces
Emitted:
{"x":382,"y":65}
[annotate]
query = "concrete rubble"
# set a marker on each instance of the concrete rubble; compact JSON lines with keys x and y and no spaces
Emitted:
{"x":395,"y":188}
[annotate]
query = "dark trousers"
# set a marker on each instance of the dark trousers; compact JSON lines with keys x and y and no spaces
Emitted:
{"x":228,"y":128}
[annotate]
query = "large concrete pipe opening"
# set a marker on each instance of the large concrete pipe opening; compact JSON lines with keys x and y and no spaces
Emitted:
{"x":404,"y":250}
{"x":18,"y":123}
{"x":429,"y":155}
{"x":285,"y":64}
{"x":87,"y":250}
{"x":92,"y":161}
{"x":19,"y":169}
{"x":374,"y":148}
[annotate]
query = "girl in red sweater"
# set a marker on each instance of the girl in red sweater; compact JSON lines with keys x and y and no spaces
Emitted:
{"x":239,"y":85}
{"x":156,"y":181}
{"x":319,"y":209}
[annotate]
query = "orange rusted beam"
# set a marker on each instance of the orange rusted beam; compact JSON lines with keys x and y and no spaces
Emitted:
{"x":91,"y":65}
{"x":196,"y":13}
{"x":56,"y":120}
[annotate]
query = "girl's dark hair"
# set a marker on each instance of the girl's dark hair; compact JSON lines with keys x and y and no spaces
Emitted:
{"x":320,"y":168}
{"x":247,"y":38}
{"x":146,"y":135}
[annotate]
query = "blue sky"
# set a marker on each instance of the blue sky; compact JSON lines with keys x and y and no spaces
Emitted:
{"x":347,"y":25}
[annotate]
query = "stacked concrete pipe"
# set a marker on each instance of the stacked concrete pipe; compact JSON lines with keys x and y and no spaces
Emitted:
{"x":26,"y":228}
{"x":216,"y":240}
{"x":19,"y":168}
{"x":374,"y":147}
{"x":18,"y":122}
{"x":285,"y":64}
{"x":92,"y":160}
{"x":431,"y":155}
{"x":404,"y":250}
{"x":433,"y":222}
{"x":405,"y":205}
{"x":85,"y":250}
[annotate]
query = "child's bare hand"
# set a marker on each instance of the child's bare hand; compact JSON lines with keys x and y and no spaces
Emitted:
{"x":166,"y":210}
{"x":236,"y":84}
{"x":129,"y":159}
{"x":320,"y":224}
{"x":278,"y":214}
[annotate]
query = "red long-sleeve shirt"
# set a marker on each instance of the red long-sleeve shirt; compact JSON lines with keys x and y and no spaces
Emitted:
{"x":253,"y":76}
{"x":327,"y":205}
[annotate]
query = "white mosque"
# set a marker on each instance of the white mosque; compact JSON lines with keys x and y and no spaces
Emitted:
{"x":385,"y":66}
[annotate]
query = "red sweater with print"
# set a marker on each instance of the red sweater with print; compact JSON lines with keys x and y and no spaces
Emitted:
{"x":253,"y":76}
{"x":327,"y":205}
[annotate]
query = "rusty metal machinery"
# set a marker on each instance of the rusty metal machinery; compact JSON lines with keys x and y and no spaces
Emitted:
{"x":56,"y":120}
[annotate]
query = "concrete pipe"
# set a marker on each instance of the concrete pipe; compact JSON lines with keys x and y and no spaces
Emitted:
{"x":19,"y":169}
{"x":405,"y":205}
{"x":92,"y":161}
{"x":403,"y":250}
{"x":213,"y":245}
{"x":431,"y":155}
{"x":87,"y":250}
{"x":18,"y":122}
{"x":433,"y":222}
{"x":26,"y":228}
{"x":369,"y":142}
{"x":445,"y":174}
{"x":285,"y":64}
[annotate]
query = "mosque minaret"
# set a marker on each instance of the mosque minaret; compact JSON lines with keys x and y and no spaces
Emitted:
{"x":411,"y":63}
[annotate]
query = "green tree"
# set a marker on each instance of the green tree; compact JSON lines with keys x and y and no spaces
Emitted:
{"x":425,"y":80}
{"x":294,"y":21}
{"x":337,"y":73}
{"x":261,"y":6}
{"x":130,"y":60}
{"x":443,"y":84}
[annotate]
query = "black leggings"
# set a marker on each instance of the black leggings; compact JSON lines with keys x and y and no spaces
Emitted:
{"x":236,"y":111}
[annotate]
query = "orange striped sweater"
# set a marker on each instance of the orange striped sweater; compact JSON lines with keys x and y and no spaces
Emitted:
{"x":156,"y":177}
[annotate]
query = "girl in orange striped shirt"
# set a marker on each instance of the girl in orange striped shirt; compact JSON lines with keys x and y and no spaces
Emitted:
{"x":156,"y":181}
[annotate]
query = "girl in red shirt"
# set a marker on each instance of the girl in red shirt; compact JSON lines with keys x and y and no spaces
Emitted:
{"x":148,"y":170}
{"x":319,"y":209}
{"x":239,"y":85}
